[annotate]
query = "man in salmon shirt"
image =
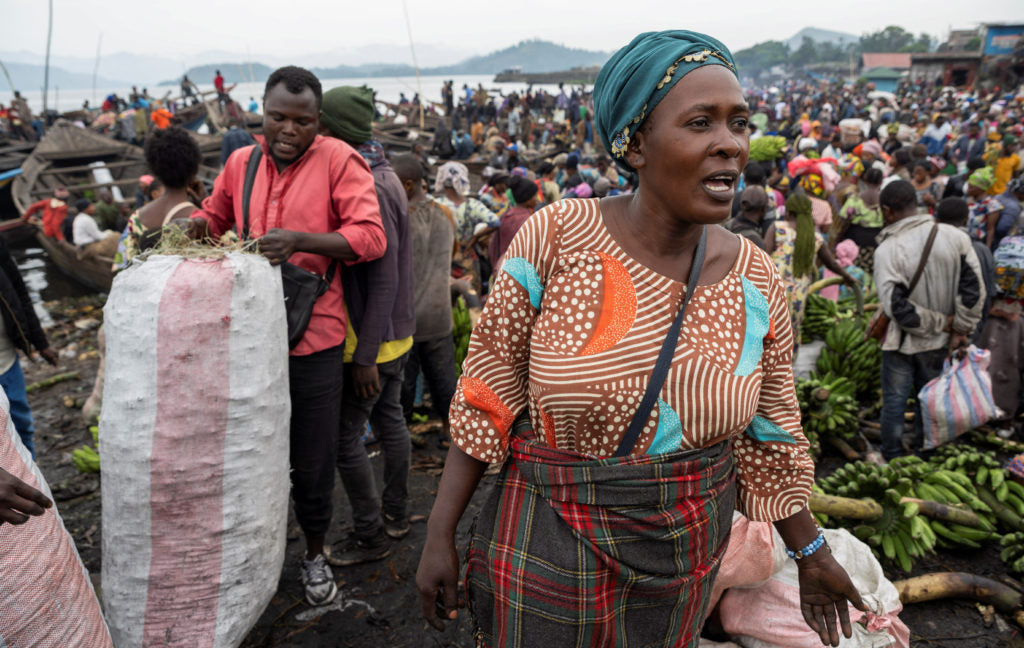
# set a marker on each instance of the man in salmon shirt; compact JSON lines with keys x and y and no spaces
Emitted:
{"x":313,"y":201}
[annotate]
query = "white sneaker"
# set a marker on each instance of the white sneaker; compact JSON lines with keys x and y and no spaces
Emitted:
{"x":318,"y":579}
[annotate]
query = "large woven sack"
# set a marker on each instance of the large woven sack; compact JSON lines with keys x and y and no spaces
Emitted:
{"x":46,"y":598}
{"x":768,"y":616}
{"x":194,"y":441}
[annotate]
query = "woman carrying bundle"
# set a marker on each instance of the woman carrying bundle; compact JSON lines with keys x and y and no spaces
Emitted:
{"x":632,"y":371}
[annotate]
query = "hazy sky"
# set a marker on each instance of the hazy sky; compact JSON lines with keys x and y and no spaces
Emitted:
{"x":177,"y":28}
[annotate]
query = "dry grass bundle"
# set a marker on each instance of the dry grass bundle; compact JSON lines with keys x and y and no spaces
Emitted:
{"x":175,"y":241}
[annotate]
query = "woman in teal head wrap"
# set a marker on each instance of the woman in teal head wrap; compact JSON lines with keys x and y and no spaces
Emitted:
{"x":632,"y":372}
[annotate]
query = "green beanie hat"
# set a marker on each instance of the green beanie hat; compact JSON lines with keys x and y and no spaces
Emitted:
{"x":347,"y":112}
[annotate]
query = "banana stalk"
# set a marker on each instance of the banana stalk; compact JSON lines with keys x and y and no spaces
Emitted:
{"x":845,"y":507}
{"x":958,"y":585}
{"x":1002,"y":512}
{"x":944,"y":512}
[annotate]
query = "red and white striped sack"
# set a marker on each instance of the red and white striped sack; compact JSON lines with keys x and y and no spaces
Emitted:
{"x":46,"y":598}
{"x":194,"y":441}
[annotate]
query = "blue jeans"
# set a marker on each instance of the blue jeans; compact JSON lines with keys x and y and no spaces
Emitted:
{"x":903,"y":376}
{"x":13,"y":382}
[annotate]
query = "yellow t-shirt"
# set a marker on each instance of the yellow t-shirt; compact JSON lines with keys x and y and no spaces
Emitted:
{"x":388,"y":351}
{"x":1005,"y":166}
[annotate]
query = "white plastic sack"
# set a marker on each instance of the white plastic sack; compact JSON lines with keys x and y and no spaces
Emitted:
{"x":46,"y":598}
{"x":959,"y":399}
{"x":769,"y":616}
{"x":194,"y":441}
{"x":806,"y":361}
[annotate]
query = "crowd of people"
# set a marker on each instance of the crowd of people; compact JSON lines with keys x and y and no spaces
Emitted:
{"x":588,"y":227}
{"x":129,"y":118}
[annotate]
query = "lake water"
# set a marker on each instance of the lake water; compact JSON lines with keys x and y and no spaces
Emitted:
{"x":44,"y":280}
{"x":388,"y":89}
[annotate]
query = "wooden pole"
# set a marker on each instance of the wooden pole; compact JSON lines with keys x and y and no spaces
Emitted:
{"x":8,"y":75}
{"x":46,"y":70}
{"x":96,"y":68}
{"x":412,"y":47}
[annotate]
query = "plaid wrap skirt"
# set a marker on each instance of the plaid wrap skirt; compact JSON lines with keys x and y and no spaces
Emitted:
{"x":572,"y":551}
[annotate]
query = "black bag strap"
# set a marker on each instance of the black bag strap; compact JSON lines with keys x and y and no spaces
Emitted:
{"x":924,"y":259}
{"x":250,"y":178}
{"x":664,"y":362}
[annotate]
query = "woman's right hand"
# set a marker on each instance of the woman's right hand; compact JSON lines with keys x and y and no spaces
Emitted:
{"x":437,"y":580}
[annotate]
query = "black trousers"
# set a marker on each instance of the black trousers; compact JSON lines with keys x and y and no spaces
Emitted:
{"x":315,"y":383}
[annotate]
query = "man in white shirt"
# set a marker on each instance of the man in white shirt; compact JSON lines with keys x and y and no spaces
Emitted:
{"x":90,"y":240}
{"x":935,"y":135}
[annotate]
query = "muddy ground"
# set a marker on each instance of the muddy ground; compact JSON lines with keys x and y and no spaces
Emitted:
{"x":378,"y":604}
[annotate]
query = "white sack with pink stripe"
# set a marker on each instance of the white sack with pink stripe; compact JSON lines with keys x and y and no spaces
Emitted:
{"x":46,"y":598}
{"x":194,"y":440}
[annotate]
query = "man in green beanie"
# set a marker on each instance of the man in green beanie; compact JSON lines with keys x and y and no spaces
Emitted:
{"x":379,"y":296}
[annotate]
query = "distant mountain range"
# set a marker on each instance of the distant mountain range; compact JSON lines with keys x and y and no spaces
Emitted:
{"x":841,"y":39}
{"x":528,"y":55}
{"x":28,"y":77}
{"x":123,"y":70}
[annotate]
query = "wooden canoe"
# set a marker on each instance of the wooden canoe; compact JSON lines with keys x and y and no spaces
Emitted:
{"x":95,"y":272}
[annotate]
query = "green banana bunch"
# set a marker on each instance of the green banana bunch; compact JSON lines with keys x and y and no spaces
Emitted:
{"x":462,"y":327}
{"x":827,"y":408}
{"x":820,"y":315}
{"x":1013,"y":551}
{"x":86,"y":459}
{"x":848,"y":353}
{"x":901,"y":535}
{"x":986,"y":470}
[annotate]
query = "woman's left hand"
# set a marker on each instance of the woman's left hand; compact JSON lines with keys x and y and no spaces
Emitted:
{"x":825,"y":588}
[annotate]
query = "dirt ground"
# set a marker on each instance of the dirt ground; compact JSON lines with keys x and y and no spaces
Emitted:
{"x":378,"y":604}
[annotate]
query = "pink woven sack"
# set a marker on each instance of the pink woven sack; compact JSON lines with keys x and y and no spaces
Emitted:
{"x":46,"y":598}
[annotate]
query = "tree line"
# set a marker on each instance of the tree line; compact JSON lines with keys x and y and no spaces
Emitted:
{"x":768,"y":54}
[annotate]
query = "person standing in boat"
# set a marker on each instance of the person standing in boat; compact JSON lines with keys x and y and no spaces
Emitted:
{"x":54,"y":211}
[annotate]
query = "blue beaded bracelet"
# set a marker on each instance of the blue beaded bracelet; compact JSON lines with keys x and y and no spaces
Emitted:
{"x":816,"y":544}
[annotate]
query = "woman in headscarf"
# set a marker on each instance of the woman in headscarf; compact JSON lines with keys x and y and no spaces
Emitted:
{"x":861,"y":218}
{"x":794,"y":245}
{"x":622,"y":464}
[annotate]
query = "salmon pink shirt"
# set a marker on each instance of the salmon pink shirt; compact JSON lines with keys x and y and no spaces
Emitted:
{"x":329,"y":189}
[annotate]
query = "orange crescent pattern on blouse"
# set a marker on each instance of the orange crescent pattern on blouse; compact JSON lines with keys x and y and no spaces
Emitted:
{"x":618,"y":306}
{"x":480,"y":396}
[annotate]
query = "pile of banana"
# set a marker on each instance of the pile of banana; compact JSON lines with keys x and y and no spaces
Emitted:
{"x":827,"y":408}
{"x":936,"y":483}
{"x":970,"y":482}
{"x":901,"y":534}
{"x":848,"y":353}
{"x":86,"y":459}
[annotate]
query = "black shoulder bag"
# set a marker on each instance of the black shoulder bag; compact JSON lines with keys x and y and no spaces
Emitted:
{"x":301,"y":287}
{"x":664,"y":362}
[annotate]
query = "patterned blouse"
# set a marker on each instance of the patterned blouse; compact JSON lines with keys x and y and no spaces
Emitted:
{"x":468,"y":215}
{"x":977,"y":217}
{"x":573,"y":328}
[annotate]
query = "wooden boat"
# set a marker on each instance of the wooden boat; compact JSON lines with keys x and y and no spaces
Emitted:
{"x":84,"y":162}
{"x":92,"y":272}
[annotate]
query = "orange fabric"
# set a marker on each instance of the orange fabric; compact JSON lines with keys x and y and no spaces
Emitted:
{"x":161,"y":118}
{"x":54,"y":213}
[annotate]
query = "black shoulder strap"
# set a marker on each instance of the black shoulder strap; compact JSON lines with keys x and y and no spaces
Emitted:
{"x":668,"y":349}
{"x":250,"y":178}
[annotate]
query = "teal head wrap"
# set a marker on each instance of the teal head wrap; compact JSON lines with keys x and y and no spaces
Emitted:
{"x":640,"y":74}
{"x":347,"y":112}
